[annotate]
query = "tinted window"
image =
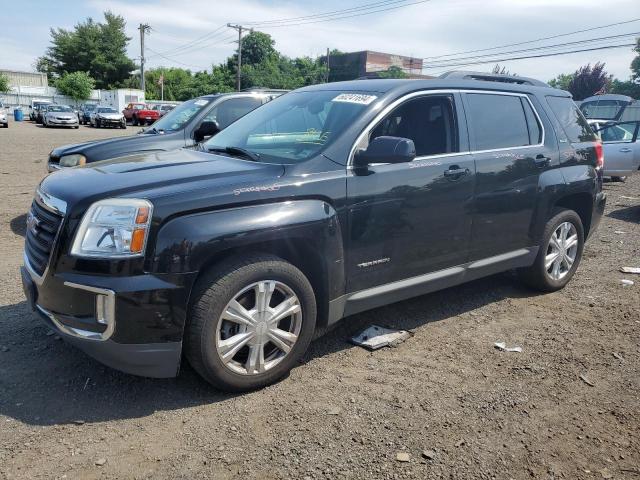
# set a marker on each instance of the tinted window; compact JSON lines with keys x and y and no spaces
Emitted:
{"x":498,"y":121}
{"x":428,"y":121}
{"x":535,"y":130}
{"x":631,"y":113}
{"x":571,"y":120}
{"x":622,"y":132}
{"x":604,"y":109}
{"x":231,"y":110}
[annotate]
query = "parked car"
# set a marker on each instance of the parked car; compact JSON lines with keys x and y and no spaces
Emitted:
{"x":328,"y":201}
{"x":85,"y":112}
{"x":60,"y":116}
{"x":163,"y":109}
{"x":107,"y":117}
{"x":140,"y":114}
{"x":3,"y":119}
{"x":621,"y":149}
{"x":605,"y":108}
{"x":189,"y":123}
{"x":40,"y":111}
{"x":35,"y":107}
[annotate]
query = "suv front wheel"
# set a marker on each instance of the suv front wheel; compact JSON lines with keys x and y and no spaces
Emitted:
{"x":250,"y":322}
{"x":559,"y":255}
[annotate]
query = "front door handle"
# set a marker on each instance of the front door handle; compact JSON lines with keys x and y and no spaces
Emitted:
{"x":625,"y":150}
{"x":542,"y":161}
{"x":456,"y":171}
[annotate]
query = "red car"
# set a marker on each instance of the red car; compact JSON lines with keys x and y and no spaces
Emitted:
{"x":140,"y":114}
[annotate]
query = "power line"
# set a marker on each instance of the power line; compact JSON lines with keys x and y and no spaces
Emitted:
{"x":192,"y":43}
{"x":534,"y":41}
{"x":176,"y":61}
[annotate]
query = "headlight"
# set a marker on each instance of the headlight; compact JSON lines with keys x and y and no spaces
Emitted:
{"x":114,"y":228}
{"x":72,"y":160}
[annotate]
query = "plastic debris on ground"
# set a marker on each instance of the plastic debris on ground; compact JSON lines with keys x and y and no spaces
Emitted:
{"x":375,"y":337}
{"x":626,"y":283}
{"x":635,"y":270}
{"x":503,"y":347}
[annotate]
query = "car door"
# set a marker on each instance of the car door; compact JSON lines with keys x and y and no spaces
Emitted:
{"x":412,"y":218}
{"x":621,"y":152}
{"x":510,"y":153}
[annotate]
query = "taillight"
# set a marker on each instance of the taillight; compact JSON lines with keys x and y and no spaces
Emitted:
{"x":599,"y":156}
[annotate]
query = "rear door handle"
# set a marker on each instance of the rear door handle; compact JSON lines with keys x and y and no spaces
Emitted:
{"x":625,"y":150}
{"x":542,"y":161}
{"x":456,"y":172}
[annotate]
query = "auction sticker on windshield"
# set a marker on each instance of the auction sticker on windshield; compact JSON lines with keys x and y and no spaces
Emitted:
{"x":200,"y":103}
{"x":355,"y":98}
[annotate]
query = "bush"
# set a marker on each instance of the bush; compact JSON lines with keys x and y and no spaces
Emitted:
{"x":77,"y":85}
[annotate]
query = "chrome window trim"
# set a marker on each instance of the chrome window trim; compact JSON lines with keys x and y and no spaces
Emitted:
{"x":421,"y":93}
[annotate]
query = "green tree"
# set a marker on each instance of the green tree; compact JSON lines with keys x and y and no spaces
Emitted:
{"x":635,"y":63}
{"x":393,"y":72}
{"x":562,"y":81}
{"x":629,"y":88}
{"x":4,"y":83}
{"x":77,"y":85}
{"x":589,"y":80}
{"x":100,"y":49}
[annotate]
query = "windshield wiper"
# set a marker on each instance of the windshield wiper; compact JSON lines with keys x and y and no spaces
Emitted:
{"x":237,"y":151}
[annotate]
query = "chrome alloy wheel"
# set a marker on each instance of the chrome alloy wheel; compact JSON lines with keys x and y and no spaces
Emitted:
{"x":258,"y":327}
{"x":561,"y":251}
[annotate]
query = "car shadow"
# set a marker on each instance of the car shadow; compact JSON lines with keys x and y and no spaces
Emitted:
{"x":18,"y":225}
{"x":626,"y":214}
{"x":44,"y":381}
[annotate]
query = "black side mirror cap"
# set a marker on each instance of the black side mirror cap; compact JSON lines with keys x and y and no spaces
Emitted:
{"x":386,"y":150}
{"x":206,"y":129}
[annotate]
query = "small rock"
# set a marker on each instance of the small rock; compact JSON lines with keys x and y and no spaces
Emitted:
{"x":606,"y":473}
{"x":429,"y":454}
{"x":403,"y":457}
{"x":625,"y":282}
{"x":234,"y":429}
{"x":101,"y":461}
{"x":459,"y":443}
{"x":617,"y":355}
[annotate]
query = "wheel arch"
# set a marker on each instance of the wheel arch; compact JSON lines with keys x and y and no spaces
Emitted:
{"x":581,"y":203}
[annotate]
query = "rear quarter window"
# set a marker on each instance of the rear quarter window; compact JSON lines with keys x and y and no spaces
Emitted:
{"x":573,"y":123}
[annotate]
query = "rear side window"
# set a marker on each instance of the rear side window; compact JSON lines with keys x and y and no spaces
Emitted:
{"x":571,"y":120}
{"x":498,"y":121}
{"x":631,"y":113}
{"x":602,"y":109}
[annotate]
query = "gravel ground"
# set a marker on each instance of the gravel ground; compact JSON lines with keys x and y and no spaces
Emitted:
{"x":444,"y":404}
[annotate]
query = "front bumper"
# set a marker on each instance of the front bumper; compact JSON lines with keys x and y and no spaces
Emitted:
{"x":132,"y":324}
{"x":72,"y":122}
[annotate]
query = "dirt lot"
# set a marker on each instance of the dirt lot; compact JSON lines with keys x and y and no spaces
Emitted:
{"x":344,"y":413}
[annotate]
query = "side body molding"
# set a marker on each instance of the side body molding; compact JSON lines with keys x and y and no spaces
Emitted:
{"x":307,"y":229}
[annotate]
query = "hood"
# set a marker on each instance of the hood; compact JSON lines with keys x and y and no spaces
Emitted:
{"x":156,"y":176}
{"x":116,"y":147}
{"x":110,"y":116}
{"x":61,"y":114}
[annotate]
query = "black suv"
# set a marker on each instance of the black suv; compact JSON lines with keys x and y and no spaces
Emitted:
{"x":328,"y":201}
{"x":184,"y":126}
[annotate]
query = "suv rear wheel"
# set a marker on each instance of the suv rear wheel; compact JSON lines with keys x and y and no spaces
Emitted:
{"x":559,"y":255}
{"x":250,"y":322}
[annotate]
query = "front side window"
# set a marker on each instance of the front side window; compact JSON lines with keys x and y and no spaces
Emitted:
{"x":177,"y":118}
{"x":499,"y":121}
{"x":296,"y":126}
{"x":228,"y":111}
{"x":619,"y":132}
{"x":575,"y":126}
{"x":631,"y":113}
{"x":429,"y":121}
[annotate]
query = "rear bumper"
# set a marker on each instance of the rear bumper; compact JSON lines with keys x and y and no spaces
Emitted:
{"x":599,"y":204}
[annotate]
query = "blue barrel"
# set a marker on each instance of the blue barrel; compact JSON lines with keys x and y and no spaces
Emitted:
{"x":18,"y":116}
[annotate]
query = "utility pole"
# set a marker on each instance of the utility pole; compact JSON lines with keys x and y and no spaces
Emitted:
{"x":327,"y":66}
{"x":239,"y":28}
{"x":144,"y":28}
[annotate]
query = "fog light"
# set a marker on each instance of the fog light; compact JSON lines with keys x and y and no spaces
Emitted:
{"x":102,"y":305}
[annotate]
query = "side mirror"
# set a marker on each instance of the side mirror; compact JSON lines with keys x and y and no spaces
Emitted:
{"x":386,"y":150}
{"x":206,"y":129}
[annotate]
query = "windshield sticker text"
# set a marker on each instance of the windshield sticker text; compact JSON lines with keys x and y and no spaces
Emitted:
{"x":355,"y":98}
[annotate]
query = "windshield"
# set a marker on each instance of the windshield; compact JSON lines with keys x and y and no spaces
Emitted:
{"x":89,"y":107}
{"x":602,"y":109}
{"x":295,"y":126}
{"x":177,"y":118}
{"x":106,"y":110}
{"x":59,"y":108}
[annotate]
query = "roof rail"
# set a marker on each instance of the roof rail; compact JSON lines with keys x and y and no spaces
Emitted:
{"x":493,"y":77}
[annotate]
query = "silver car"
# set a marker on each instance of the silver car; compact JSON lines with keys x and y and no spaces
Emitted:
{"x":60,"y":116}
{"x":621,"y":149}
{"x":107,"y":117}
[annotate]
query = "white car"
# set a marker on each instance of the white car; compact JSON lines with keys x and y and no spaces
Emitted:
{"x":3,"y":116}
{"x":107,"y":117}
{"x":621,"y":149}
{"x":60,"y":116}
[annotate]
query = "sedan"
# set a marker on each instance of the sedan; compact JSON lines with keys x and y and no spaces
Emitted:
{"x":107,"y":117}
{"x":621,"y":149}
{"x":60,"y":116}
{"x":3,"y":119}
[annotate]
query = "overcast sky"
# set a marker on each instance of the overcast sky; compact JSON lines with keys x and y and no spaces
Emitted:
{"x":436,"y":27}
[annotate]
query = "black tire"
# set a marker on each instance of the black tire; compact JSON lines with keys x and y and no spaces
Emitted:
{"x":618,"y":179}
{"x":212,"y":293}
{"x":536,"y":276}
{"x":98,"y":123}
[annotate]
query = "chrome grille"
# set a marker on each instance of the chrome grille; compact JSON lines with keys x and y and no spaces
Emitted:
{"x":42,"y":229}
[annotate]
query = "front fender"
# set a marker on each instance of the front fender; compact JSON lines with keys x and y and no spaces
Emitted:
{"x":308,"y":229}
